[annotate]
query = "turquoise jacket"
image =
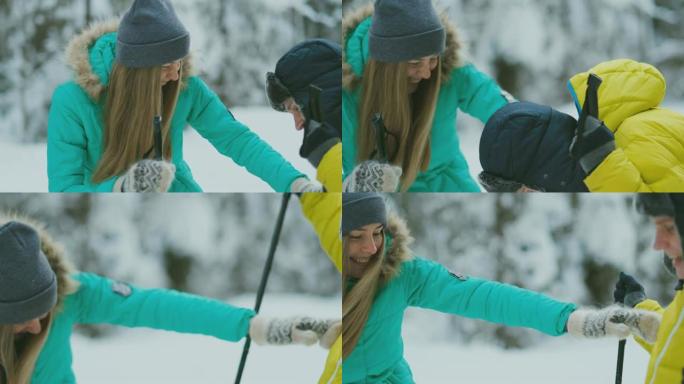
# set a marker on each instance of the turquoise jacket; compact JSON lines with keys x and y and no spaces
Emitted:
{"x":467,"y":89}
{"x":378,"y":357}
{"x":99,"y":300}
{"x":379,"y":354}
{"x":75,"y":125}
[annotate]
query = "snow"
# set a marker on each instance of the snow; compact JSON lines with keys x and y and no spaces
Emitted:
{"x":24,"y":166}
{"x":150,"y":356}
{"x":559,"y":361}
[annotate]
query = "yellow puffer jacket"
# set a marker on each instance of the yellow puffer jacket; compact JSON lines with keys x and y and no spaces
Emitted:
{"x":649,"y":154}
{"x":666,"y":365}
{"x":324,"y":212}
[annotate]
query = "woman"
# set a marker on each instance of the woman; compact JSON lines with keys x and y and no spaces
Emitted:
{"x":382,"y":278}
{"x":100,"y":128}
{"x":42,"y":299}
{"x":634,"y":146}
{"x":402,"y":62}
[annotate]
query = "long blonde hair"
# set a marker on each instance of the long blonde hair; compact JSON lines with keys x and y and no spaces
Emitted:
{"x":132,"y":100}
{"x":407,"y":117}
{"x":18,"y":356}
{"x":357,"y":301}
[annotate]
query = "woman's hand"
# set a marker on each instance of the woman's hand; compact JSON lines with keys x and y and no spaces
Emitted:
{"x":614,"y":321}
{"x":147,"y":176}
{"x":303,"y":185}
{"x":372,"y":176}
{"x":295,"y":330}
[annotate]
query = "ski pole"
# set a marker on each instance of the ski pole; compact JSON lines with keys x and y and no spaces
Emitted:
{"x":264,"y":278}
{"x":157,"y":138}
{"x":620,"y":356}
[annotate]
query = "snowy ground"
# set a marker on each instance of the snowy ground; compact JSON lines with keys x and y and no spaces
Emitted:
{"x":561,"y":361}
{"x":24,"y":166}
{"x":146,"y":356}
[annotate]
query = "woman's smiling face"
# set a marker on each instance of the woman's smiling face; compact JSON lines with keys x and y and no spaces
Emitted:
{"x":362,"y":246}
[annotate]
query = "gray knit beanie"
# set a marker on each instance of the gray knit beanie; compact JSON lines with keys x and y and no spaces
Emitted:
{"x":150,"y":34}
{"x":362,"y":208}
{"x":404,"y":30}
{"x":28,"y":286}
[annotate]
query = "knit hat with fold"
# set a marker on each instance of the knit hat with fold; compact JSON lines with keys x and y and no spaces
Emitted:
{"x":28,"y":286}
{"x":151,"y":34}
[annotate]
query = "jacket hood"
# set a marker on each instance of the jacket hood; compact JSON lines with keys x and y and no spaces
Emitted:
{"x":91,"y":55}
{"x":355,"y":29}
{"x":628,"y":88}
{"x":398,"y":238}
{"x":528,"y":143}
{"x":54,"y":252}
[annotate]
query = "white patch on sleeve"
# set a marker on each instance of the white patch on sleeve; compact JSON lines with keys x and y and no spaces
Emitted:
{"x":121,"y":289}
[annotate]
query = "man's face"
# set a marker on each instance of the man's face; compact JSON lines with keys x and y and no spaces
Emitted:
{"x":295,"y":110}
{"x":668,"y":240}
{"x":419,"y":70}
{"x":525,"y":188}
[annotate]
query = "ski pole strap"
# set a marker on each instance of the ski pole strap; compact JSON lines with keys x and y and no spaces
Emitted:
{"x":590,"y":108}
{"x":157,"y":138}
{"x":379,"y":129}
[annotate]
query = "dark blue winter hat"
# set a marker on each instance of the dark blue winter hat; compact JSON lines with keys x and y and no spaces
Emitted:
{"x":151,"y":34}
{"x":28,"y":286}
{"x":312,"y":62}
{"x":405,"y":30}
{"x":362,"y":208}
{"x":528,"y":143}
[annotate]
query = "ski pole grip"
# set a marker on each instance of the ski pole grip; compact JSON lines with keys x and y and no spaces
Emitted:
{"x":379,"y":128}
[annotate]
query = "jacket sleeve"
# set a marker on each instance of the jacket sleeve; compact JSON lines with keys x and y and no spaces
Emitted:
{"x":67,"y":148}
{"x":101,"y":300}
{"x":324,"y":210}
{"x":349,"y":128}
{"x":653,"y":306}
{"x":430,"y":285}
{"x":478,"y":94}
{"x":233,"y":139}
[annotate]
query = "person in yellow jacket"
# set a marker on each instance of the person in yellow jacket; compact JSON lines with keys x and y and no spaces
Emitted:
{"x":324,"y":212}
{"x":666,"y":365}
{"x":634,"y":146}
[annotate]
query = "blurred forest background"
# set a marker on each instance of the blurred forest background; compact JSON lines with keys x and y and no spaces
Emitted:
{"x":234,"y":43}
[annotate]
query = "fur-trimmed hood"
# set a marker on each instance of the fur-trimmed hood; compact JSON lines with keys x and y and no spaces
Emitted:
{"x":91,"y":54}
{"x":54,"y":252}
{"x":355,"y":49}
{"x":399,"y":239}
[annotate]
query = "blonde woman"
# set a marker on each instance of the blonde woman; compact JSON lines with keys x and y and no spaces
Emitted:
{"x":100,"y":128}
{"x":382,"y":278}
{"x":42,"y":299}
{"x":400,"y":60}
